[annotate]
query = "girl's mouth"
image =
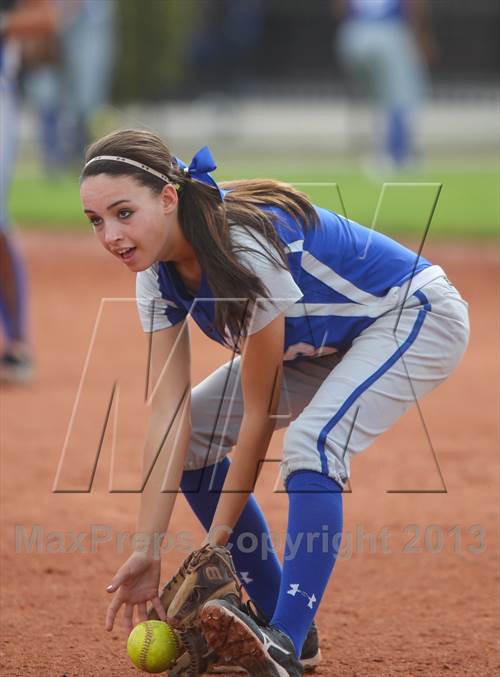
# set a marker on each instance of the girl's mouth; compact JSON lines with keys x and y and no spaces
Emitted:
{"x":127,"y":254}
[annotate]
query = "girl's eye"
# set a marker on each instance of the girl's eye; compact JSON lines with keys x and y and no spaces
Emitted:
{"x":96,"y":221}
{"x":124,"y":213}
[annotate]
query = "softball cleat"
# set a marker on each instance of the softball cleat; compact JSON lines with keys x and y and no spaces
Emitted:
{"x":311,"y":653}
{"x":263,"y":651}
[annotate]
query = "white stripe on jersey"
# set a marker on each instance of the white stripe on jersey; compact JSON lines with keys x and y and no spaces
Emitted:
{"x":338,"y":309}
{"x":328,"y":276}
{"x":295,"y":246}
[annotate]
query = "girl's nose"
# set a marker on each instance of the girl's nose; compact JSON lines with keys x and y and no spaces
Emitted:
{"x":113,"y":234}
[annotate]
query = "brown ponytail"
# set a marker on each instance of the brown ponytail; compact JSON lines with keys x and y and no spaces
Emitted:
{"x":205,"y":220}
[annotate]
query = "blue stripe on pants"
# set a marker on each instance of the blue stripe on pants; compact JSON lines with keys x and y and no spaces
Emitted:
{"x":374,"y":377}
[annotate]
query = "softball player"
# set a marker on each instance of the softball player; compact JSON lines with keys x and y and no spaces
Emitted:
{"x":383,"y":45}
{"x":336,"y":330}
{"x":23,"y":20}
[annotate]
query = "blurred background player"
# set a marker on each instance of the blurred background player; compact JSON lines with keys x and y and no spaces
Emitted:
{"x":20,"y":22}
{"x":70,"y":78}
{"x":383,"y":46}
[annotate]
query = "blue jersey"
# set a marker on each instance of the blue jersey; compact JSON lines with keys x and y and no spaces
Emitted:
{"x":341,"y":278}
{"x":377,"y":10}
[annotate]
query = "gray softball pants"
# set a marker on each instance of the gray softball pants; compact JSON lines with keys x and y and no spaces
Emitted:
{"x":335,"y":408}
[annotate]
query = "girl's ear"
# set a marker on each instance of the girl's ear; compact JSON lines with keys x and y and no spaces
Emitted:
{"x":169,"y":198}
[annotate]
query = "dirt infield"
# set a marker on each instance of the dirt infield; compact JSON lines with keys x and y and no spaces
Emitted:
{"x":415,"y":589}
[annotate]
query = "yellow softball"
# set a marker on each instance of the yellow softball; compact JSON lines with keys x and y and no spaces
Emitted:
{"x":152,"y":646}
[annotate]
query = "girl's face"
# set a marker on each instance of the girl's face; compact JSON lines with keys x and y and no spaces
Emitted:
{"x":132,"y":223}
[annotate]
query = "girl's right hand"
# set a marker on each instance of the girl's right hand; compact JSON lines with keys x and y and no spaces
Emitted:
{"x":135,"y":583}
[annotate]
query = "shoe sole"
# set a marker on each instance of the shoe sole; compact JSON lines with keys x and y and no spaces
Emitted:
{"x":186,"y":628}
{"x":236,"y":643}
{"x":310,"y":664}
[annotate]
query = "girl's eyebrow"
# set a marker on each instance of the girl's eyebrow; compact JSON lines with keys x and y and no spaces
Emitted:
{"x":113,"y":204}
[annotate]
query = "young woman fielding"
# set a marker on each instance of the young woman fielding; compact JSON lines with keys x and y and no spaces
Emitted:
{"x":343,"y":325}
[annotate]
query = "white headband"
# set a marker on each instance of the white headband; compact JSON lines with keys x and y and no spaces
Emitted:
{"x":134,"y":163}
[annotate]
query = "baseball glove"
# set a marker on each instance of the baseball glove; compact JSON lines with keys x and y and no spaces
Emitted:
{"x":205,"y":574}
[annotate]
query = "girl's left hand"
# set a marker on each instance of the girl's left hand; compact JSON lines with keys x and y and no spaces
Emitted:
{"x":135,"y":583}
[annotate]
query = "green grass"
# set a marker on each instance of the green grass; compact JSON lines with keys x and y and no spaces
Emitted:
{"x":468,"y":204}
{"x":37,"y":202}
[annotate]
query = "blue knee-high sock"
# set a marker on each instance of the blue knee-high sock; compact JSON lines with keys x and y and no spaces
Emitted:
{"x":251,"y":547}
{"x":313,"y":539}
{"x":398,"y":136}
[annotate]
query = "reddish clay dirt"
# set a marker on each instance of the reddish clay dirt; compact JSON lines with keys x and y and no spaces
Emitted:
{"x":420,"y":598}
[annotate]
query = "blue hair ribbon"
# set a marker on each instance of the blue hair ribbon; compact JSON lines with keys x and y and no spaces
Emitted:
{"x":200,"y":167}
